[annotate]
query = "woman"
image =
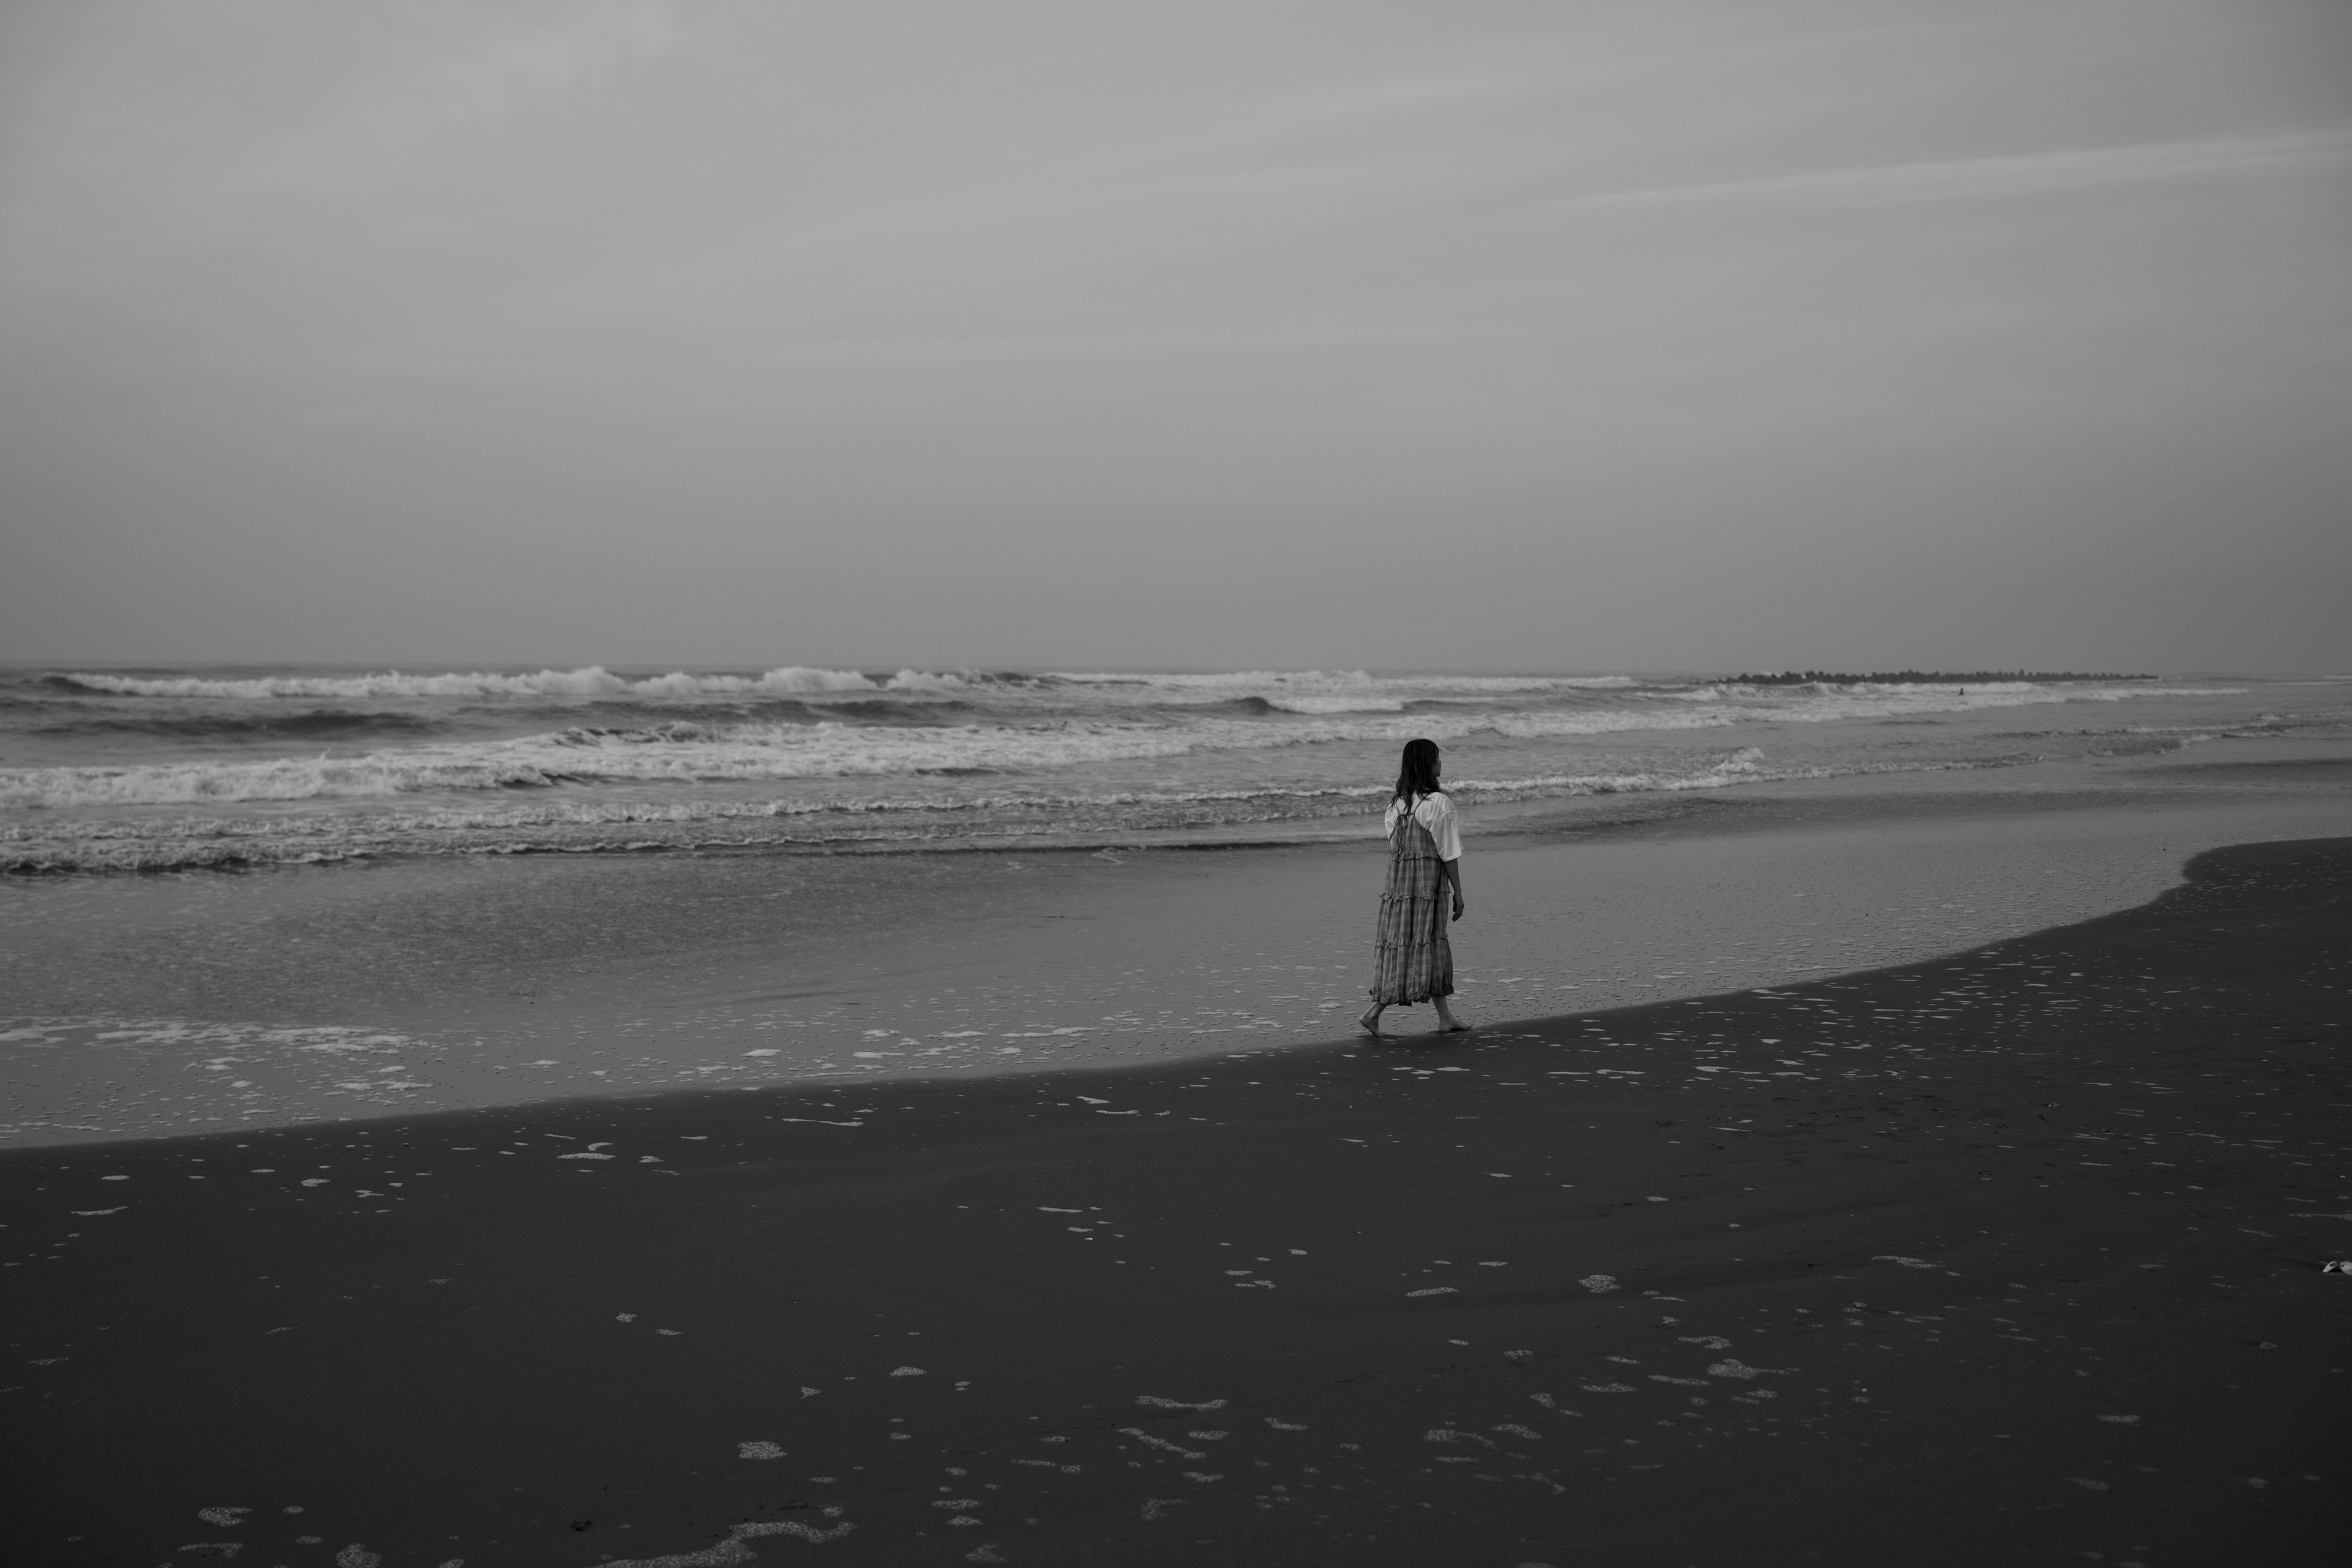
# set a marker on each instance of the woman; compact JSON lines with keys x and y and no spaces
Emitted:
{"x":1415,"y":961}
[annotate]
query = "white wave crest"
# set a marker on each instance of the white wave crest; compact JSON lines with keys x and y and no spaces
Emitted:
{"x":592,"y":682}
{"x":1338,"y":704}
{"x":1283,"y":686}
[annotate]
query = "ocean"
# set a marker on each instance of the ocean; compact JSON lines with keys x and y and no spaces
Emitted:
{"x":123,"y":769}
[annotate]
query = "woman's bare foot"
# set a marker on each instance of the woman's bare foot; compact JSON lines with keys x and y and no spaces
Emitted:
{"x":1447,"y":1024}
{"x":1369,"y":1021}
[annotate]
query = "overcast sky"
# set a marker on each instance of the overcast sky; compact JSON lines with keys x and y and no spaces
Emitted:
{"x":1567,"y":335}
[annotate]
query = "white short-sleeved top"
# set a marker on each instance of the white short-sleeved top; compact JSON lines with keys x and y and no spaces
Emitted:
{"x":1436,"y":813}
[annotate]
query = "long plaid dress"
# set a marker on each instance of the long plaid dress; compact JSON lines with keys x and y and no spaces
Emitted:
{"x":1413,"y":961}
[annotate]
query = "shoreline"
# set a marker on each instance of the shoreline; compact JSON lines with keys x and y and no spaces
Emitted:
{"x":285,"y":998}
{"x":1981,"y":1253}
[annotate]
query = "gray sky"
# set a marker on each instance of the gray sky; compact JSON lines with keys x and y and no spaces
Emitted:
{"x":1560,"y":335}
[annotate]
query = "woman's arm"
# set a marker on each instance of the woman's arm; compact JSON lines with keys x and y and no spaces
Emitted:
{"x":1452,"y":869}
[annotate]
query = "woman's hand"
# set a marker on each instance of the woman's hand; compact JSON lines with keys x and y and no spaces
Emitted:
{"x":1459,"y":905}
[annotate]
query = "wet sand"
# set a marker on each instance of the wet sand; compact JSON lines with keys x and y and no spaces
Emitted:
{"x":2013,"y":1254}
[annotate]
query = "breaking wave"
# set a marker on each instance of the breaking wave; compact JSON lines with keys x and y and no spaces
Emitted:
{"x":587,"y":824}
{"x":687,"y":752}
{"x":592,"y":682}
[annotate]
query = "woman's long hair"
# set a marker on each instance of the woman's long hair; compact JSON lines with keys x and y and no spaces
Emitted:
{"x":1418,"y":774}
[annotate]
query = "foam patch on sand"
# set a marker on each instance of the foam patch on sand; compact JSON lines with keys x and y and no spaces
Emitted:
{"x":732,"y":1551}
{"x":1141,"y":1436}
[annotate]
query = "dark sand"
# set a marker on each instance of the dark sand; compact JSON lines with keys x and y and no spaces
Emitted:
{"x":2008,"y":1257}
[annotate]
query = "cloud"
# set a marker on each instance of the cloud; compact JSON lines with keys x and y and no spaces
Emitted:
{"x":1975,"y":179}
{"x":454,"y":75}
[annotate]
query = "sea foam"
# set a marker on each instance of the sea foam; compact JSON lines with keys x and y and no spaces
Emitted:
{"x":593,"y":682}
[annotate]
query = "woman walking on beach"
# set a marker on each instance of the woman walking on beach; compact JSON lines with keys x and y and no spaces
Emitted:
{"x":1415,"y":961}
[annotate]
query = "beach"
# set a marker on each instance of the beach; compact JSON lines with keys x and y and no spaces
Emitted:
{"x":697,"y":706}
{"x":2013,"y":1254}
